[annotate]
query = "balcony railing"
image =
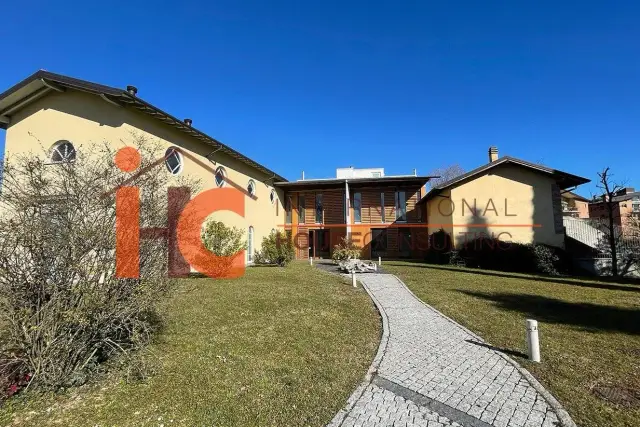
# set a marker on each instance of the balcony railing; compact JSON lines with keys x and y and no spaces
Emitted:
{"x":571,"y":212}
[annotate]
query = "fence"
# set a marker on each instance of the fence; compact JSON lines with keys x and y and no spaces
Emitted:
{"x":588,"y":243}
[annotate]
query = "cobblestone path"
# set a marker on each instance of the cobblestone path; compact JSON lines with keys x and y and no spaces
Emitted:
{"x":435,"y":373}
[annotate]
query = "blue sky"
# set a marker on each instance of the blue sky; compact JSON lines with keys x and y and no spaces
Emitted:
{"x":315,"y":86}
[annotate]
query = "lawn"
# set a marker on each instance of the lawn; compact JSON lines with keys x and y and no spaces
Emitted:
{"x":589,"y":331}
{"x":278,"y":347}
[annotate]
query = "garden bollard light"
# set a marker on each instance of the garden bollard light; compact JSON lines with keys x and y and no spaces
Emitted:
{"x":353,"y":279}
{"x":310,"y":260}
{"x":379,"y":260}
{"x":533,"y":344}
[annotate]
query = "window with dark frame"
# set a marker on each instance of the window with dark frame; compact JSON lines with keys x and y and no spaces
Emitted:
{"x":401,"y":206}
{"x":301,"y":209}
{"x":319,"y":210}
{"x":357,"y":207}
{"x":287,"y":209}
{"x":382,"y":206}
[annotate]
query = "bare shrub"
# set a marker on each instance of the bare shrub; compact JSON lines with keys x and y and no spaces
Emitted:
{"x":62,"y":308}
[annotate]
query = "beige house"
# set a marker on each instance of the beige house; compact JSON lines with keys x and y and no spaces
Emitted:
{"x":626,"y":208}
{"x":54,"y":115}
{"x":507,"y":198}
{"x":574,"y":205}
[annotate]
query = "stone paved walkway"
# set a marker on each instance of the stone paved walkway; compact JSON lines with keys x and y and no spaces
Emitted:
{"x":433,"y":372}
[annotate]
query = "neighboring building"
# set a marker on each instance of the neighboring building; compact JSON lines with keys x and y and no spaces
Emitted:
{"x":507,"y":198}
{"x":627,"y":206}
{"x":574,"y":205}
{"x":381,"y":213}
{"x":386,"y":215}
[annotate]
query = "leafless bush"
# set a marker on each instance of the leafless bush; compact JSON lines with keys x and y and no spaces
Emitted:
{"x":62,"y":309}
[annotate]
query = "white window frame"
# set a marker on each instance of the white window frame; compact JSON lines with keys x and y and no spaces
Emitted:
{"x":251,"y":187}
{"x":55,"y":148}
{"x":222,"y":171}
{"x":178,"y":154}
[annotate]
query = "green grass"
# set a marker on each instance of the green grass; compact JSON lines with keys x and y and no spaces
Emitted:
{"x":589,"y":330}
{"x":278,"y":347}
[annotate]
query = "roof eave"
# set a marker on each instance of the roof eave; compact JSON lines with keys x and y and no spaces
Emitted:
{"x":355,"y":181}
{"x":52,"y":81}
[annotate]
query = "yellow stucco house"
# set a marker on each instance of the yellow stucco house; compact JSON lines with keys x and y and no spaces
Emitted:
{"x":60,"y":113}
{"x":507,"y":198}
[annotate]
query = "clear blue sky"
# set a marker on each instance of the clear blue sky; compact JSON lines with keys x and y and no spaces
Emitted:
{"x":300,"y":86}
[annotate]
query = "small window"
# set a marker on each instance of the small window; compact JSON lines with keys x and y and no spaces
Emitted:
{"x":173,"y":161}
{"x":319,"y":210}
{"x":273,"y":196}
{"x":301,"y":209}
{"x":220,"y":176}
{"x":401,"y":206}
{"x":63,"y":151}
{"x":251,"y":188}
{"x":357,"y":207}
{"x":382,"y":206}
{"x":376,"y":174}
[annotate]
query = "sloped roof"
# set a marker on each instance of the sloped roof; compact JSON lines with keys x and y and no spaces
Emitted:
{"x":564,"y":179}
{"x":572,"y":195}
{"x":627,"y":196}
{"x":43,"y":82}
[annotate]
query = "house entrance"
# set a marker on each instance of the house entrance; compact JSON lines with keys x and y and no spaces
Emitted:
{"x":319,"y":243}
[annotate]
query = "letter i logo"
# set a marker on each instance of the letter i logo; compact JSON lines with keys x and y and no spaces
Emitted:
{"x":127,"y":218}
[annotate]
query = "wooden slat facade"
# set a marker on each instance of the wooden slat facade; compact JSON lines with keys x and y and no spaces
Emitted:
{"x":333,"y":201}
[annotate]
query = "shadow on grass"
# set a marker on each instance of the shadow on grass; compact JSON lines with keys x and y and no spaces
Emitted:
{"x":549,"y":279}
{"x":508,"y":351}
{"x":589,"y":316}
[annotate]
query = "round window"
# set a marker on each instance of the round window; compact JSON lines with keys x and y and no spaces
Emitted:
{"x":220,"y":176}
{"x":173,"y":160}
{"x":251,"y":188}
{"x":63,"y":151}
{"x":273,"y":197}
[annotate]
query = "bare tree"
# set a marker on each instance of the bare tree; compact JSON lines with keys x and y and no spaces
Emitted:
{"x":610,"y":189}
{"x":62,"y":307}
{"x":445,"y":174}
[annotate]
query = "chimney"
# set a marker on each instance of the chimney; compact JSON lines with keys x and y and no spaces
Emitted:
{"x":303,"y":175}
{"x":493,"y":154}
{"x":188,"y":122}
{"x":132,"y":90}
{"x":415,"y":172}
